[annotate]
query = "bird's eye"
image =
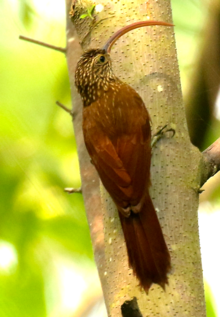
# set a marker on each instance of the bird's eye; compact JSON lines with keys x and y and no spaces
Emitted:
{"x":102,"y":59}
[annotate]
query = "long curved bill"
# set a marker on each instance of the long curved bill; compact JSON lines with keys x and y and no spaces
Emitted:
{"x":128,"y":28}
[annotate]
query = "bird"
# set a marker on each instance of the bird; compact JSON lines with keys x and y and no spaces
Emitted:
{"x":117,"y":135}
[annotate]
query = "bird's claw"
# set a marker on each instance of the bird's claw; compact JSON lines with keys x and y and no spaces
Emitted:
{"x":161,"y":133}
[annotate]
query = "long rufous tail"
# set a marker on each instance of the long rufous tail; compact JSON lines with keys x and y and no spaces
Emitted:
{"x":147,"y":251}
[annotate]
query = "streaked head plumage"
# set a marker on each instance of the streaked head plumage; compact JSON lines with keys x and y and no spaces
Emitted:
{"x":94,"y":65}
{"x":93,"y":74}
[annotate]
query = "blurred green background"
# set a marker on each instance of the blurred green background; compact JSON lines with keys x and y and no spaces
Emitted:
{"x":46,"y":260}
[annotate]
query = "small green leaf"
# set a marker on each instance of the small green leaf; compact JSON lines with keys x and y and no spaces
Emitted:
{"x":92,"y":9}
{"x":83,"y":16}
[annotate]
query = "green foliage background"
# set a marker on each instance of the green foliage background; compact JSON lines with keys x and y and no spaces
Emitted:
{"x":39,"y":223}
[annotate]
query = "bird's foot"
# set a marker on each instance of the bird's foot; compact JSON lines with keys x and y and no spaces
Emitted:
{"x":161,"y":133}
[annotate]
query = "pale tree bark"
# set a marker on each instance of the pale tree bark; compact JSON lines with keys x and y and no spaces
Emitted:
{"x":145,"y":59}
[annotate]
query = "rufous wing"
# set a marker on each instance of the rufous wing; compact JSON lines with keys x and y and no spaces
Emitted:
{"x":117,"y":136}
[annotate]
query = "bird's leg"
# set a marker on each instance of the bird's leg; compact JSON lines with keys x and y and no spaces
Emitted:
{"x":161,"y":133}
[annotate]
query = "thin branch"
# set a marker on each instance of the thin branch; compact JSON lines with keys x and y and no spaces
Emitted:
{"x":64,"y":108}
{"x":211,"y":160}
{"x":56,"y":48}
{"x":71,"y":190}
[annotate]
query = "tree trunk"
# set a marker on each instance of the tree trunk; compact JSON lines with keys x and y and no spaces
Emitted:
{"x":145,"y":59}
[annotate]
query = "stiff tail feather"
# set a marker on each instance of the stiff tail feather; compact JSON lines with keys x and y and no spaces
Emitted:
{"x":147,"y":251}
